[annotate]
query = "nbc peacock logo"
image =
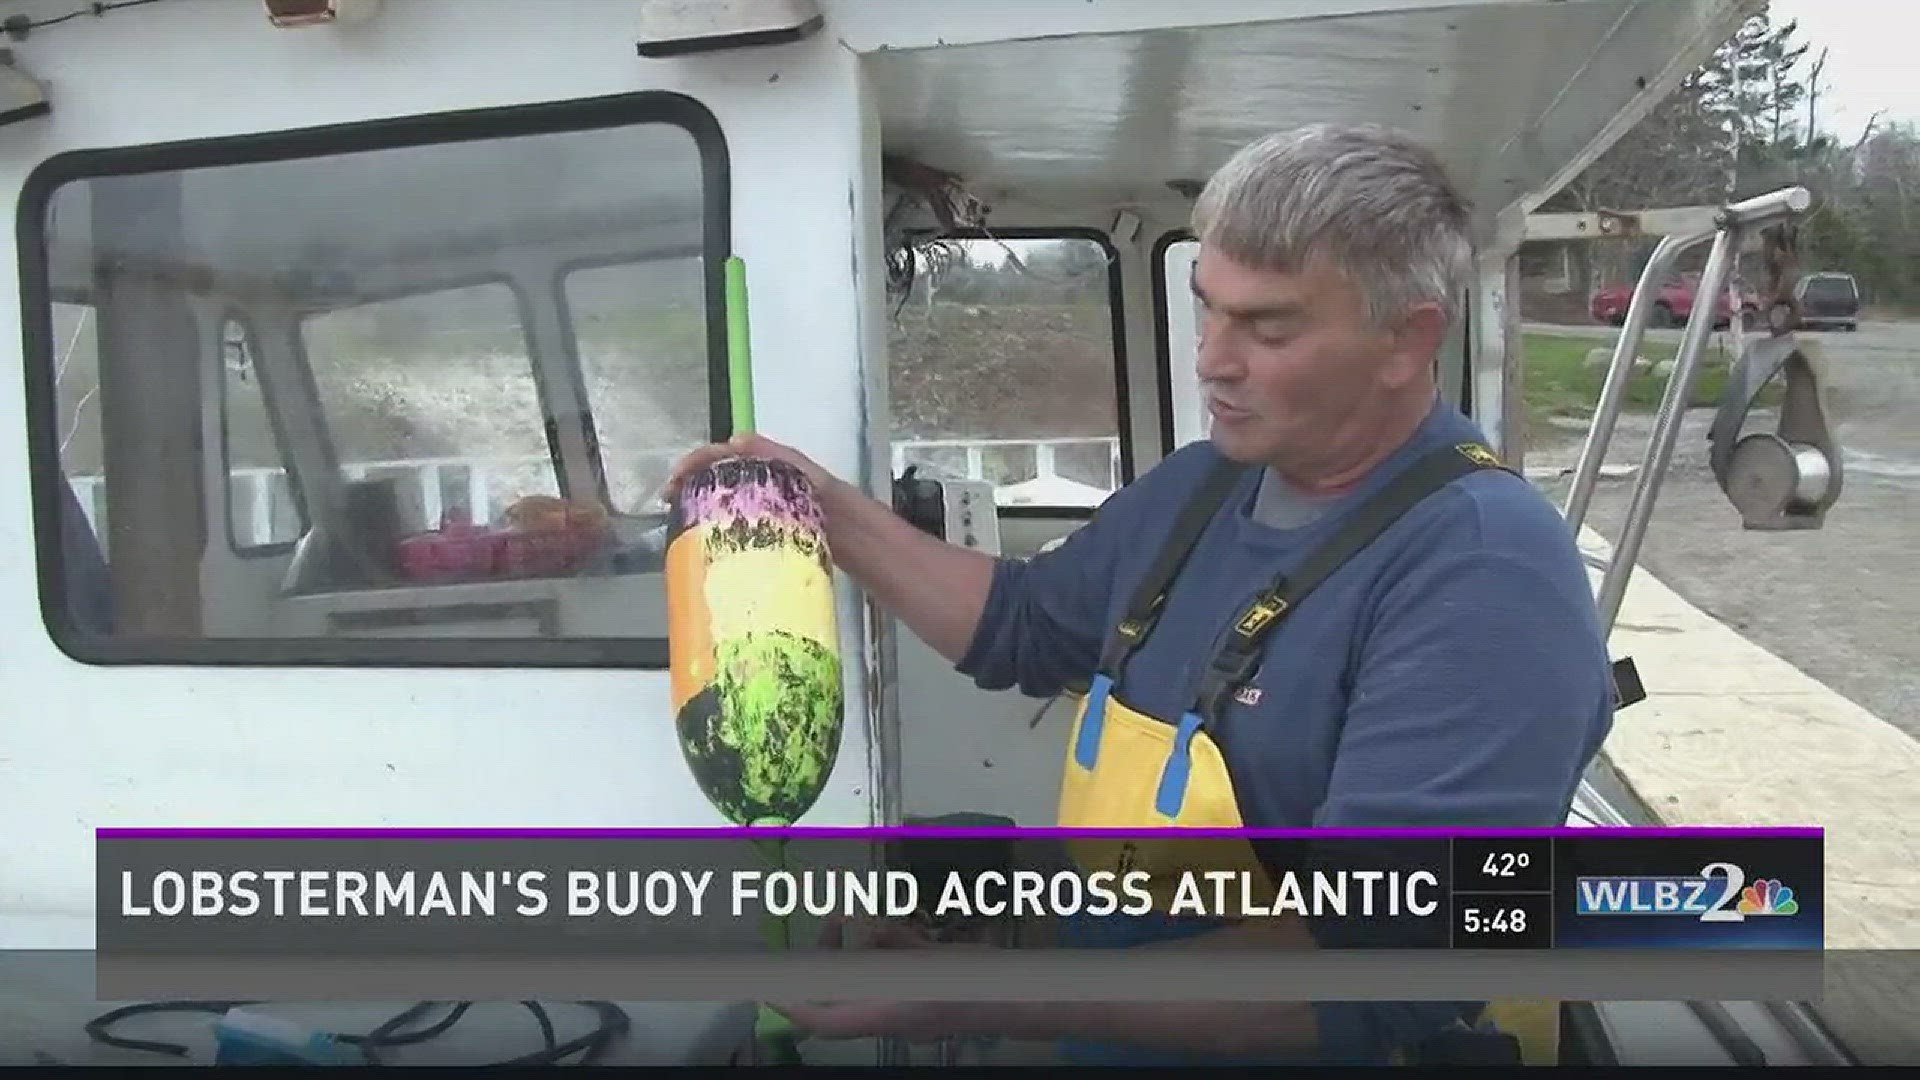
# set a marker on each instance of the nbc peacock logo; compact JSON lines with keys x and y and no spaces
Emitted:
{"x":1768,"y":897}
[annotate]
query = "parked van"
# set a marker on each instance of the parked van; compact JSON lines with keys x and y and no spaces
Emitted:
{"x":1829,"y":300}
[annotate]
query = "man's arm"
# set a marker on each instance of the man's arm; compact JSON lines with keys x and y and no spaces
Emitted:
{"x":1034,"y":623}
{"x":937,"y":588}
{"x":1217,"y":1028}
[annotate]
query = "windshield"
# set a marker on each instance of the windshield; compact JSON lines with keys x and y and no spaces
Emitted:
{"x":1830,"y":289}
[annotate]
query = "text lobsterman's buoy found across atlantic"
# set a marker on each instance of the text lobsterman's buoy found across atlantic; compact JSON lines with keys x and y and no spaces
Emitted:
{"x":753,"y":639}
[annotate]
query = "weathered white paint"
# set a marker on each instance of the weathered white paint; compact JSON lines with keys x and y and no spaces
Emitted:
{"x":1494,"y":315}
{"x":1190,"y":422}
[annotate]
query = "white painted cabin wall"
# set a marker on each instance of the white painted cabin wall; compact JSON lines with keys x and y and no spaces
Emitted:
{"x":1142,"y":427}
{"x":1190,"y":421}
{"x":867,"y":203}
{"x":82,"y":747}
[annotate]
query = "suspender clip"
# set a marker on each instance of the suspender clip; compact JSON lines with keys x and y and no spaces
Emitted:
{"x":1234,"y":666}
{"x":1268,"y":607}
{"x":1230,"y":669}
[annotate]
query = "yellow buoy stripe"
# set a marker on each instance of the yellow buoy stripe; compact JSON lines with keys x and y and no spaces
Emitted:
{"x":766,"y":590}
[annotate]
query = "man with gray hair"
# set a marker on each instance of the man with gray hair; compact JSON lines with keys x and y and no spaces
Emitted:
{"x":1337,"y":612}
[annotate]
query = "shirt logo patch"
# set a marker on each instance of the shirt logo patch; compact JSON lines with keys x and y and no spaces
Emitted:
{"x":1248,"y":696}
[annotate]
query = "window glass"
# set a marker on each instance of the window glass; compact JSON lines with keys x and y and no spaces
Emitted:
{"x":83,"y":592}
{"x":437,"y":393}
{"x":76,"y":367}
{"x":1829,"y":289}
{"x":641,"y":331}
{"x":1180,"y":323}
{"x":263,"y":511}
{"x":425,"y":391}
{"x":1003,"y":369}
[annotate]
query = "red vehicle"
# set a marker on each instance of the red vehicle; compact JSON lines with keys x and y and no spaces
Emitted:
{"x":1673,"y":304}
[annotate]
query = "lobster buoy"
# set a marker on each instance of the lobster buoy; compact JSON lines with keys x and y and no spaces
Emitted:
{"x":752,"y":637}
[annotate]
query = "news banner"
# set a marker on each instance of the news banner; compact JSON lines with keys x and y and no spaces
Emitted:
{"x":711,"y":914}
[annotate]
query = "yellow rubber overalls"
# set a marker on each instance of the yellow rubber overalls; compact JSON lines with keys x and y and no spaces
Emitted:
{"x":1126,"y":769}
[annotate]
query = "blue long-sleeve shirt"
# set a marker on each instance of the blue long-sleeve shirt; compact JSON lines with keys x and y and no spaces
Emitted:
{"x":1451,"y":674}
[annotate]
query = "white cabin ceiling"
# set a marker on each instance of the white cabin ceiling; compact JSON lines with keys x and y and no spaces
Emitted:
{"x":1508,"y":93}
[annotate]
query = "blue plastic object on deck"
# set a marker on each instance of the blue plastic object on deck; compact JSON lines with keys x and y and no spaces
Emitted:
{"x":244,"y":1038}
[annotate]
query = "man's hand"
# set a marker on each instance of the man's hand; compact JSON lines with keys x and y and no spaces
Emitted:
{"x":938,"y":589}
{"x":915,"y":1021}
{"x":1212,"y":1027}
{"x":863,"y":933}
{"x":749,"y":446}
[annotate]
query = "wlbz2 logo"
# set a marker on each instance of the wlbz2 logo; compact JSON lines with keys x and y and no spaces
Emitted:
{"x":1719,"y":893}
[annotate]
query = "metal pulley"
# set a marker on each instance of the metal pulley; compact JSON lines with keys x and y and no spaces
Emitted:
{"x":1788,"y":477}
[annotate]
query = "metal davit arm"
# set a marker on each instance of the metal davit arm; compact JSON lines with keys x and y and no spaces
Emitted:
{"x":1733,"y":224}
{"x":1603,"y":798}
{"x":1666,"y":428}
{"x":1606,"y":414}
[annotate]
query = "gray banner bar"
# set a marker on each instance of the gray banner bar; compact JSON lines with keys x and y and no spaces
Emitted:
{"x":692,"y":899}
{"x":963,"y":975}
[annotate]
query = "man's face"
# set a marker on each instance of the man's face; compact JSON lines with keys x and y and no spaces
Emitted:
{"x":1289,"y":362}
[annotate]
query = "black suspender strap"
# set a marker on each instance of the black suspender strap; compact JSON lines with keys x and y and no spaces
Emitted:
{"x":1238,"y":656}
{"x":1144,"y":609}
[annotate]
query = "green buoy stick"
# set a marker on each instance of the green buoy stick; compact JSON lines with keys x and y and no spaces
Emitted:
{"x":739,"y":347}
{"x":773,"y":1030}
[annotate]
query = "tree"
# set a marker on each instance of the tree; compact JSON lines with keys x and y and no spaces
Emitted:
{"x":1737,"y":115}
{"x":1677,"y":155}
{"x":1754,"y":83}
{"x":1731,"y":129}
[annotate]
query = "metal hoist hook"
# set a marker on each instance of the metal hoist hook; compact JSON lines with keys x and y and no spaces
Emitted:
{"x":1786,"y":478}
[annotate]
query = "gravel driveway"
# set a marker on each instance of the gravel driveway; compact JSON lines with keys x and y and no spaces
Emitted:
{"x":1841,"y":603}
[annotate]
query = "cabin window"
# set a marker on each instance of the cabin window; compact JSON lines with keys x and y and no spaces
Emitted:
{"x":81,"y":596}
{"x":264,"y":512}
{"x":77,"y":410}
{"x":401,"y":393}
{"x":641,"y":329}
{"x":1006,"y":367}
{"x":436,"y":392}
{"x":1176,"y":333}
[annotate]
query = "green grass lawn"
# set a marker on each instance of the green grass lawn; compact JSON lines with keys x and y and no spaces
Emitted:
{"x":1556,"y":381}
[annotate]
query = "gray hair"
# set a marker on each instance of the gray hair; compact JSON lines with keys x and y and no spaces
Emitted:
{"x":1373,"y":203}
